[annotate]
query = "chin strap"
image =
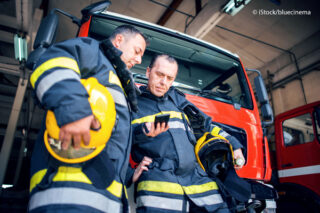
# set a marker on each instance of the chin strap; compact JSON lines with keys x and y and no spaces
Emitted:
{"x":125,"y":76}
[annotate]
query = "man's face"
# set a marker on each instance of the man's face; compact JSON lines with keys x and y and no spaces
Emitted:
{"x":132,"y":48}
{"x":161,"y":76}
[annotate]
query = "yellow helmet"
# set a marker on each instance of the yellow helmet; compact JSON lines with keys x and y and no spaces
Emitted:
{"x":103,"y":108}
{"x":213,"y":153}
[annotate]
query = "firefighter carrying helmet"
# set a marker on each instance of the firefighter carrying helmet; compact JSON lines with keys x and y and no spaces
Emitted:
{"x":214,"y":154}
{"x":103,"y":109}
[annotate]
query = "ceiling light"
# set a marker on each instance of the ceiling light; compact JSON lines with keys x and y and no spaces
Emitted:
{"x":234,"y":6}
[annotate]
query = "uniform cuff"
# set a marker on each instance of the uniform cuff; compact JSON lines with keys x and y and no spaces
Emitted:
{"x":69,"y":113}
{"x":234,"y":142}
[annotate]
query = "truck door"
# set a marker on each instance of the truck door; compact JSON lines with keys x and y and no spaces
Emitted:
{"x":298,"y":149}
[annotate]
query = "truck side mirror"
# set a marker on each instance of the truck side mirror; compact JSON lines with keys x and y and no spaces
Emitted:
{"x":261,"y":90}
{"x":47,"y":31}
{"x":45,"y":37}
{"x":93,"y":8}
{"x":263,"y":98}
{"x":266,"y":112}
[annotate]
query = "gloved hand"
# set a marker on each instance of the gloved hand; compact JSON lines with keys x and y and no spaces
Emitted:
{"x":195,"y":118}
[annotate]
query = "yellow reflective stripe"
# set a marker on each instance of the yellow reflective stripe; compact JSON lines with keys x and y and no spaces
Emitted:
{"x":55,"y":62}
{"x":197,"y":189}
{"x":113,"y":79}
{"x":215,"y":131}
{"x":36,"y":178}
{"x":186,"y":117}
{"x":126,"y":192}
{"x":71,"y":174}
{"x":74,"y":174}
{"x":160,"y":186}
{"x":150,"y":118}
{"x":115,"y":188}
{"x":175,"y":188}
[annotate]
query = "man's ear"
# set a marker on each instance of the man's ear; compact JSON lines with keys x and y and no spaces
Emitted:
{"x":118,"y":40}
{"x":148,"y":72}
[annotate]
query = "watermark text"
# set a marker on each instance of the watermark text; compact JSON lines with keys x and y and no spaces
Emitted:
{"x":281,"y":12}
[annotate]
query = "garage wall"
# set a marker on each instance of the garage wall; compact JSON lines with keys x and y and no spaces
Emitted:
{"x":288,"y":91}
{"x":291,"y":96}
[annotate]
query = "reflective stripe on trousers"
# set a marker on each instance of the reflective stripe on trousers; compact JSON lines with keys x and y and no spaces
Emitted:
{"x":175,"y":204}
{"x":175,"y":188}
{"x":161,"y":203}
{"x":73,"y":196}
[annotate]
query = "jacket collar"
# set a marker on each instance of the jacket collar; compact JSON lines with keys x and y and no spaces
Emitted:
{"x":146,"y":93}
{"x":109,"y":50}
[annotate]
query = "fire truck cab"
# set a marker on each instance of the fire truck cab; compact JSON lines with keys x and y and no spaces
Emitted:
{"x":297,"y":137}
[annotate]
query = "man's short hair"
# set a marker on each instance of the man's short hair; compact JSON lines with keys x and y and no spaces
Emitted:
{"x":127,"y":31}
{"x":169,"y":58}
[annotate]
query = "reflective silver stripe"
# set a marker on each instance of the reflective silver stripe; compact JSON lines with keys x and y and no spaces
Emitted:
{"x":160,"y":202}
{"x":58,"y":75}
{"x":271,"y":204}
{"x":118,"y":97}
{"x":74,"y":196}
{"x":305,"y":170}
{"x":176,"y":125}
{"x":224,"y":134}
{"x":208,"y":200}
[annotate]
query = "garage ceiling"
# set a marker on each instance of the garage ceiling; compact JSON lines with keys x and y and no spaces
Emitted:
{"x":282,"y":31}
{"x":235,"y":33}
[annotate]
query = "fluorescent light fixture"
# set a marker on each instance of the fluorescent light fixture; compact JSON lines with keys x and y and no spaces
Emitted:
{"x":4,"y":186}
{"x":234,"y":6}
{"x":20,"y":48}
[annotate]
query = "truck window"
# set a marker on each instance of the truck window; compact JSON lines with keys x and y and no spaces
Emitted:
{"x":203,"y":69}
{"x":298,"y":130}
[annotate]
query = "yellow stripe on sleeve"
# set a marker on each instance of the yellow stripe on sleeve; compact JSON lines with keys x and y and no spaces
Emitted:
{"x":52,"y":63}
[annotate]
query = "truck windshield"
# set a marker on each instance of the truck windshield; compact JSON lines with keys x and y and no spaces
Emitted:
{"x":204,"y":70}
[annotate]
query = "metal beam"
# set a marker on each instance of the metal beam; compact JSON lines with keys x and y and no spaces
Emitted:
{"x":23,"y":13}
{"x":11,"y":128}
{"x":8,"y":60}
{"x":198,"y":6}
{"x":296,"y":76}
{"x":6,"y":37}
{"x":8,"y":21}
{"x":10,"y":69}
{"x":208,"y":17}
{"x":169,"y":11}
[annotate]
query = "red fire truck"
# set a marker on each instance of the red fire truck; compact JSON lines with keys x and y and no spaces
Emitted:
{"x":297,"y":160}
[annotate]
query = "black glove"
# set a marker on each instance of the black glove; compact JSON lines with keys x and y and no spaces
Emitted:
{"x":125,"y":76}
{"x":195,"y":118}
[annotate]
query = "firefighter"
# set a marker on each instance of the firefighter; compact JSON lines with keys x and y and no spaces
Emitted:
{"x":169,"y":179}
{"x":96,"y":185}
